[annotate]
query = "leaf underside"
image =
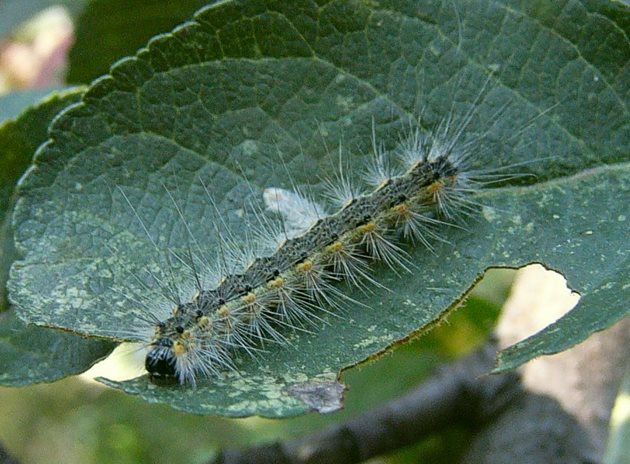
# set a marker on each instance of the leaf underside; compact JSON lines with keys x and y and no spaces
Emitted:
{"x":220,"y":98}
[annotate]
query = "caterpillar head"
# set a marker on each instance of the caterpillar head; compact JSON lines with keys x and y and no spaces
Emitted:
{"x":161,"y":362}
{"x":174,"y":352}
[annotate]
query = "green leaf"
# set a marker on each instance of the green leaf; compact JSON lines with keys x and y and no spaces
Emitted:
{"x":110,"y":29}
{"x":14,"y":12}
{"x":30,"y":354}
{"x":19,"y":139}
{"x":217,"y":100}
{"x":604,"y":288}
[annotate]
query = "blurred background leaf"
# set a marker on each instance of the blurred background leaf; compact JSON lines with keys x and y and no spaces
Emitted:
{"x":111,"y":29}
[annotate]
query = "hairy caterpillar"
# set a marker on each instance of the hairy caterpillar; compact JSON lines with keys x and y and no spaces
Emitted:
{"x":289,"y":272}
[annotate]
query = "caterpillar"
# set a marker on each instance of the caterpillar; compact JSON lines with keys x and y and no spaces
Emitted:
{"x":290,"y":272}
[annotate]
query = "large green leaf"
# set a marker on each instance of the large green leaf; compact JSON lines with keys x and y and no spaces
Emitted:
{"x":220,"y":97}
{"x":19,"y":138}
{"x":30,"y":354}
{"x":110,"y":29}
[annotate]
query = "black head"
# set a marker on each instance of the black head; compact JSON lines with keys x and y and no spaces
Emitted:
{"x":160,"y":363}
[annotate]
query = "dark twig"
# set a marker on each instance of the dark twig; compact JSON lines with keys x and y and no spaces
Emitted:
{"x":459,"y":393}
